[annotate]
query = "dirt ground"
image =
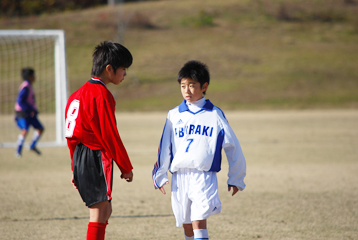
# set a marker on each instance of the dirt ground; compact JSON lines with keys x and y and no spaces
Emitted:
{"x":302,"y":183}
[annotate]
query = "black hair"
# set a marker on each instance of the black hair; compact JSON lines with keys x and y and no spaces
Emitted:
{"x":112,"y":53}
{"x":195,"y":70}
{"x":26,"y":73}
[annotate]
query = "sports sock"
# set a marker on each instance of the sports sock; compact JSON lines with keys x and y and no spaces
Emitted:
{"x":201,"y":234}
{"x":188,"y":238}
{"x":35,"y":138}
{"x":20,"y":143}
{"x":96,"y":231}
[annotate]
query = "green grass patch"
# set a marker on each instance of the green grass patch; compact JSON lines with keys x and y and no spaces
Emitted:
{"x":203,"y":19}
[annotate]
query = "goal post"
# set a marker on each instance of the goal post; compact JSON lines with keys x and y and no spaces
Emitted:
{"x":43,"y":50}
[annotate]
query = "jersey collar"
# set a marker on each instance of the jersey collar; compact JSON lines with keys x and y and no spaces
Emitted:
{"x":208,"y":106}
{"x":97,"y":81}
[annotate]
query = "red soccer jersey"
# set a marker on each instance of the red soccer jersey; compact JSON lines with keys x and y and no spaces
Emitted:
{"x":90,"y":120}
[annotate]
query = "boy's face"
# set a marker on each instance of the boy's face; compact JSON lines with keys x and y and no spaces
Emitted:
{"x":31,"y":79}
{"x":191,"y":89}
{"x":118,"y":77}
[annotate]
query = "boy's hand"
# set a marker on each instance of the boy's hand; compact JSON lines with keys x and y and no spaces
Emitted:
{"x":162,"y":188}
{"x":235,"y":189}
{"x":128,"y":177}
{"x":73,"y":182}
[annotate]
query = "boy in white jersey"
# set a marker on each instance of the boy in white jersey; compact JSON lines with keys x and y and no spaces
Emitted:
{"x":194,"y":134}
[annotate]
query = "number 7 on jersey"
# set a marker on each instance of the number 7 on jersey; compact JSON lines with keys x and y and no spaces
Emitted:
{"x":190,"y":140}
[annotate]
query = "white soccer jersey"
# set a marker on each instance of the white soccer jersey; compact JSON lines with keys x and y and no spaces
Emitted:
{"x":195,"y":140}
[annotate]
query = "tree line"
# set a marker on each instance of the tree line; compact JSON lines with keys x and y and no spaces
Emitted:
{"x":18,"y":8}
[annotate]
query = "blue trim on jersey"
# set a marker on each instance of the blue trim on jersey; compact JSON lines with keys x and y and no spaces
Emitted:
{"x":157,"y":164}
{"x":216,"y":165}
{"x":171,"y":156}
{"x":222,"y":113}
{"x":208,"y":106}
{"x":154,"y":174}
{"x":183,"y":107}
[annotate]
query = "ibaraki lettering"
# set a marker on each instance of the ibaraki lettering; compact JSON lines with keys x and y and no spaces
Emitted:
{"x":194,"y":129}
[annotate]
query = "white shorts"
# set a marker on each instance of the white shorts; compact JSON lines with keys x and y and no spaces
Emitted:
{"x":194,"y":195}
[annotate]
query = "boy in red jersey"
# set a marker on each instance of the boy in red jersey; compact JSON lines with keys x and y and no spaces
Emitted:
{"x":93,"y":138}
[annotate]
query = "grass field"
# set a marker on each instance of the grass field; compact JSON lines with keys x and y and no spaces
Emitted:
{"x":301,"y":183}
{"x":262,"y":54}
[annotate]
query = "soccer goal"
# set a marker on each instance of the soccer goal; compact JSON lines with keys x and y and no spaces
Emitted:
{"x":44,"y":51}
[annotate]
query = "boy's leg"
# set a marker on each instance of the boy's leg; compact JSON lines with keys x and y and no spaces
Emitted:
{"x":99,"y":215}
{"x":23,"y":124}
{"x":35,"y":138}
{"x":196,"y":230}
{"x":100,"y":212}
{"x":188,"y":231}
{"x":96,"y":231}
{"x":204,"y":203}
{"x":181,"y":204}
{"x":199,"y":224}
{"x":37,"y":134}
{"x":200,"y":230}
{"x":20,"y":142}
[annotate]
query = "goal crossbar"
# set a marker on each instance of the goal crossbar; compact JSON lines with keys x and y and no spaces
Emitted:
{"x":61,"y":91}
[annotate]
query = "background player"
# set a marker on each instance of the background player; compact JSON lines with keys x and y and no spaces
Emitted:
{"x":26,"y":112}
{"x":93,"y":138}
{"x":190,"y":147}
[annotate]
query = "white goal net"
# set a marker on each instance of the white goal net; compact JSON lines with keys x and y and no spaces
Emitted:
{"x":44,"y":51}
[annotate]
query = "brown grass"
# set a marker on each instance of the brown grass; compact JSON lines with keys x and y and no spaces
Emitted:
{"x":301,"y":183}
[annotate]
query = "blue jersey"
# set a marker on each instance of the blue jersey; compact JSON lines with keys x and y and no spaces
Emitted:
{"x":195,"y":140}
{"x":25,"y":101}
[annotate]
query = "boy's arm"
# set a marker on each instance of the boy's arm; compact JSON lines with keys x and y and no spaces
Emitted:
{"x":165,"y":156}
{"x":21,"y":100}
{"x":105,"y":128}
{"x":72,"y":148}
{"x":235,"y":157}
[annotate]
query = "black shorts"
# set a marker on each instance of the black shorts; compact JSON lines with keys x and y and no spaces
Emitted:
{"x":93,"y":174}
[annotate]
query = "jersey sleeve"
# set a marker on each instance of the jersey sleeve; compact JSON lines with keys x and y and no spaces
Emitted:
{"x":104,"y":126}
{"x":71,"y":147}
{"x":235,"y":157}
{"x":165,"y":156}
{"x":70,"y":143}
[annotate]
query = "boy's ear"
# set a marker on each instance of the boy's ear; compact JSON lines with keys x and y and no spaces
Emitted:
{"x":109,"y":68}
{"x":205,"y":86}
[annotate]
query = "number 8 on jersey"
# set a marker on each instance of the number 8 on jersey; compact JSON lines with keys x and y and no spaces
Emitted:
{"x":71,"y":116}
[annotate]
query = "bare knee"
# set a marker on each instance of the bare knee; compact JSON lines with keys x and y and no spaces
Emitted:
{"x":23,"y":132}
{"x":100,"y":212}
{"x":199,"y":224}
{"x":40,"y":131}
{"x":188,"y":230}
